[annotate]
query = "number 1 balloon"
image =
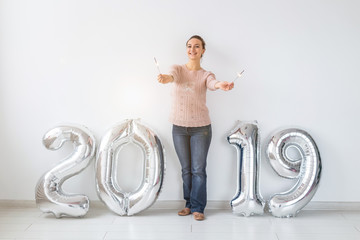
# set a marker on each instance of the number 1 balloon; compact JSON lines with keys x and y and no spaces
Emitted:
{"x":306,"y":170}
{"x":247,"y":200}
{"x":48,"y":193}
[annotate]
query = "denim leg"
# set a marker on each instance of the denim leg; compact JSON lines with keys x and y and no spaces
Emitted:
{"x":199,"y":144}
{"x":181,"y":141}
{"x":192,"y":145}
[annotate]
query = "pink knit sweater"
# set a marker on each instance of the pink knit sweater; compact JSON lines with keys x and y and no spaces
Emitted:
{"x":189,"y":96}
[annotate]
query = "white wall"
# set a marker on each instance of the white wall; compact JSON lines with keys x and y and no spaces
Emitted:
{"x":91,"y":63}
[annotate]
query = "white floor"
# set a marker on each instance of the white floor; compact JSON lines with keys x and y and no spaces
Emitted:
{"x":100,"y":223}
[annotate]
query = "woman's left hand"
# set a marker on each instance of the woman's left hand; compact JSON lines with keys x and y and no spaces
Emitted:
{"x":226,"y":86}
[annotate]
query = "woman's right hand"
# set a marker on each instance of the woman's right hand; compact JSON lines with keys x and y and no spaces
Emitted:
{"x":164,"y":78}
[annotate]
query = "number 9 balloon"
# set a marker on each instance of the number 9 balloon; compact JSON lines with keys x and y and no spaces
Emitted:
{"x":48,"y":193}
{"x":307,"y":170}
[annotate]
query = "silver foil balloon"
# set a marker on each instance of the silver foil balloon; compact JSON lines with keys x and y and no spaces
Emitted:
{"x":117,"y":200}
{"x":247,"y":200}
{"x":306,"y":169}
{"x":49,"y":195}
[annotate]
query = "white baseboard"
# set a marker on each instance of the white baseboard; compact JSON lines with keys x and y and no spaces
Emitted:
{"x":318,"y":205}
{"x":342,"y":206}
{"x":177,"y":204}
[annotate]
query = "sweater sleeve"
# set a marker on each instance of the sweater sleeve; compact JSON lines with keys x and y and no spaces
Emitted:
{"x":211,"y":81}
{"x":175,"y":72}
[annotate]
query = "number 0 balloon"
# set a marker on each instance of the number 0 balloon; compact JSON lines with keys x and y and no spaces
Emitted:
{"x":129,"y":203}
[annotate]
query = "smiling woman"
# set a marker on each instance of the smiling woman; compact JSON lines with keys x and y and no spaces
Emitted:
{"x":191,"y":123}
{"x":194,"y":46}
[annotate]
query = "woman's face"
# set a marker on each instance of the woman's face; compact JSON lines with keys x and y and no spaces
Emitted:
{"x":195,"y":49}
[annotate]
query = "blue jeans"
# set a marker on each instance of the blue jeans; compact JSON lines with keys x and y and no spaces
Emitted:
{"x":192,"y":146}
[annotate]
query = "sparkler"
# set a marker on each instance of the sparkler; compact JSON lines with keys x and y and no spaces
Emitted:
{"x":157,"y":65}
{"x":239,"y":75}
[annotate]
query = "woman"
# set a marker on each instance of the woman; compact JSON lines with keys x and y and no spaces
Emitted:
{"x":191,"y":123}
